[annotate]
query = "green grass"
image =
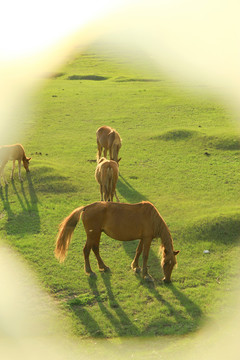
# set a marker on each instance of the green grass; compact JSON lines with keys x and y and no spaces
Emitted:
{"x":180,"y":151}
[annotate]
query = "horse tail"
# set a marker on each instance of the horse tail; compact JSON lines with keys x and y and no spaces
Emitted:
{"x":65,"y":232}
{"x":108,"y":183}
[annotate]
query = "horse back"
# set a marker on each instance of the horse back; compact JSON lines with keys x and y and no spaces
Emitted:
{"x":12,"y":152}
{"x":102,"y":135}
{"x":120,"y":221}
{"x":107,"y":136}
{"x":105,"y":169}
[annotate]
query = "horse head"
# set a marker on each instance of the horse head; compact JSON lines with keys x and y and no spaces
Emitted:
{"x":169,"y":261}
{"x":26,"y":163}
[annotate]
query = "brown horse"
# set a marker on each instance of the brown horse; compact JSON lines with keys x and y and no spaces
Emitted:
{"x":13,"y":152}
{"x":106,"y":175}
{"x":122,"y":222}
{"x":109,"y":139}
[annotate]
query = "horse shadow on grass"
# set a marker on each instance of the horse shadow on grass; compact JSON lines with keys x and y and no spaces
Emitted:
{"x":127,"y":191}
{"x":120,"y":321}
{"x":117,"y":317}
{"x":28,"y":219}
{"x":187,"y":321}
{"x":184,"y":321}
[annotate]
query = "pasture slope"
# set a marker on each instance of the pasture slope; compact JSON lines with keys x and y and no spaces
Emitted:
{"x":180,"y":151}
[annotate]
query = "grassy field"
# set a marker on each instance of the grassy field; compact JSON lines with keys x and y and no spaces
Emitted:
{"x":180,"y":151}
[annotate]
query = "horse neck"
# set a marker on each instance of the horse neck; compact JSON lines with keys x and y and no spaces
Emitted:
{"x":163,"y":232}
{"x":115,"y":150}
{"x":24,"y":156}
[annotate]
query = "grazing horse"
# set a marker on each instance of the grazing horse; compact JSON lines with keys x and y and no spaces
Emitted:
{"x":13,"y":152}
{"x":106,"y":175}
{"x":122,"y":222}
{"x":109,"y":139}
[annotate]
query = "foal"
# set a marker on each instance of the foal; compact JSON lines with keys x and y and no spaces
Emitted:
{"x":110,"y":140}
{"x":13,"y":152}
{"x":106,"y":175}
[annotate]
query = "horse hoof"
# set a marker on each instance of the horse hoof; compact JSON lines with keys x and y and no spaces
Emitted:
{"x":137,"y":270}
{"x":105,"y":269}
{"x":148,"y":278}
{"x":91,"y":274}
{"x":166,"y":281}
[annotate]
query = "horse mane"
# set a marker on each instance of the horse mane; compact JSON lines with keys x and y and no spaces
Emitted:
{"x":161,"y":230}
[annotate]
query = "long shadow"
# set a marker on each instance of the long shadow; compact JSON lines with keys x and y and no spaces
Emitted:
{"x":5,"y":201}
{"x":192,"y":309}
{"x":21,"y":202}
{"x":186,"y":322}
{"x":128,"y":192}
{"x":32,"y":193}
{"x":90,"y":324}
{"x":28,"y":220}
{"x":122,"y":324}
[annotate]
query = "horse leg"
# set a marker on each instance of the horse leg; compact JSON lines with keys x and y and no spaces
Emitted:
{"x":134,"y":264}
{"x":13,"y":167}
{"x":99,"y":153}
{"x":95,"y":248}
{"x":86,"y":252}
{"x":19,"y":170}
{"x":101,"y":192}
{"x":146,"y":248}
{"x":105,"y":152}
{"x":105,"y":193}
{"x":115,"y":193}
{"x":111,"y":152}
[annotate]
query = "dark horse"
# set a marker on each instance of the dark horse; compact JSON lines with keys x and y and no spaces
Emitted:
{"x":122,"y":222}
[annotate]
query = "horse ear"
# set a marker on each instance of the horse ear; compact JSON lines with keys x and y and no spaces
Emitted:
{"x":118,"y":160}
{"x":28,"y":159}
{"x":176,"y":252}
